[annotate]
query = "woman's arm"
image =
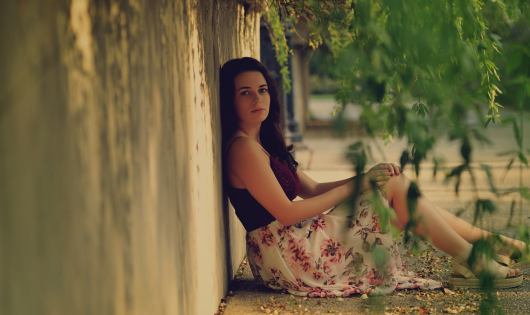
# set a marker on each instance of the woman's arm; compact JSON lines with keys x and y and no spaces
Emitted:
{"x":309,"y":188}
{"x":251,"y":166}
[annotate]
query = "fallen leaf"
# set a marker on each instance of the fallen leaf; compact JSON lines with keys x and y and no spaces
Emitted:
{"x":423,"y":311}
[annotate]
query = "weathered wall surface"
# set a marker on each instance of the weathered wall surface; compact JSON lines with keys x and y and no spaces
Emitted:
{"x":110,"y":181}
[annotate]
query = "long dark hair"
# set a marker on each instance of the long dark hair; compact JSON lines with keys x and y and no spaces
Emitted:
{"x":270,"y":134}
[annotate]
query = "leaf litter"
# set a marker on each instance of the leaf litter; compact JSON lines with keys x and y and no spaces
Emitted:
{"x":427,"y":262}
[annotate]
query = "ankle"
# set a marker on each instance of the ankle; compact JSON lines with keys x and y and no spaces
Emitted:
{"x":512,"y":248}
{"x":466,"y":251}
{"x":519,"y":245}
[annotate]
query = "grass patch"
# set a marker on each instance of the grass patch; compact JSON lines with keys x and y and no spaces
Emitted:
{"x":321,"y":97}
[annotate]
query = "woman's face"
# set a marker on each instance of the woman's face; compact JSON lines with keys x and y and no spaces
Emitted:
{"x":252,"y":99}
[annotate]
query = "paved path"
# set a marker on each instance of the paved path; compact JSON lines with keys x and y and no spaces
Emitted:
{"x":322,"y":109}
{"x":323,"y":160}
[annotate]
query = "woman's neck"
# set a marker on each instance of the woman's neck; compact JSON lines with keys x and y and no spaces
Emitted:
{"x":251,"y":131}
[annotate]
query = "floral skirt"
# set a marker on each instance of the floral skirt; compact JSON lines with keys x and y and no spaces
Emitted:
{"x":335,"y":254}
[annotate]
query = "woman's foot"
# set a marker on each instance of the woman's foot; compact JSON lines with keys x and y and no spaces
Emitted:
{"x":466,"y":275}
{"x":509,"y":252}
{"x":511,"y":248}
{"x":511,"y":272}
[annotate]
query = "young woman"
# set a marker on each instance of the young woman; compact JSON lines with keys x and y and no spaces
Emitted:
{"x":292,"y":245}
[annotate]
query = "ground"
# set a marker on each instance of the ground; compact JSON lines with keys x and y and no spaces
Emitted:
{"x":248,"y":297}
{"x":322,"y":157}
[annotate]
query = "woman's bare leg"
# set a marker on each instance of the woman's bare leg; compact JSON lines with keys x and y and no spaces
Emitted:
{"x":433,"y":226}
{"x":471,"y":233}
{"x":466,"y":230}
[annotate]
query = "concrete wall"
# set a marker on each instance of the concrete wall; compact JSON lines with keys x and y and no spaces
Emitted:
{"x":110,"y":182}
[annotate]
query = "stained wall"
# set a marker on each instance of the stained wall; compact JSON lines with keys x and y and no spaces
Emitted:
{"x":110,"y":178}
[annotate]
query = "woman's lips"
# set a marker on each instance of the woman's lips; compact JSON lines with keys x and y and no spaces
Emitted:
{"x":259,"y":110}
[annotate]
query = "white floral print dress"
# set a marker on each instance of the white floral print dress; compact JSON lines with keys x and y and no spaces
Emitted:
{"x":329,"y":255}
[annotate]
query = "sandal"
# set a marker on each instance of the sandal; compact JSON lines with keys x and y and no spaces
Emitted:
{"x":467,"y":278}
{"x":505,"y":260}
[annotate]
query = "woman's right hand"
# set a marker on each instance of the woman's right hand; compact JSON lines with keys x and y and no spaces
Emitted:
{"x":380,"y":173}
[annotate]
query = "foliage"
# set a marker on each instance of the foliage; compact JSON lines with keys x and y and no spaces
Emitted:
{"x":322,"y":85}
{"x":322,"y":63}
{"x":515,"y":60}
{"x":276,"y":30}
{"x":443,"y":56}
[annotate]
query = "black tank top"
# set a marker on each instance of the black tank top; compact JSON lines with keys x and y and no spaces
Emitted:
{"x":249,"y":211}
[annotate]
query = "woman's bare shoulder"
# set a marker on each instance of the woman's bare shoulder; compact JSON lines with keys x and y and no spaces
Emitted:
{"x":245,"y":162}
{"x":244,"y":148}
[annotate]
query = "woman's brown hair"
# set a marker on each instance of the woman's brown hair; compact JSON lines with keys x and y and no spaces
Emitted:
{"x":270,"y":134}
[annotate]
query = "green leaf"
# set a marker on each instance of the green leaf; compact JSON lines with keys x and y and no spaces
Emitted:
{"x":457,"y":170}
{"x":518,"y":137}
{"x":514,"y":61}
{"x":426,"y":109}
{"x":457,"y":185}
{"x":523,"y":233}
{"x":277,"y":35}
{"x":356,"y":146}
{"x":488,"y":205}
{"x":478,"y":209}
{"x":508,"y":167}
{"x":480,"y":136}
{"x":523,"y":158}
{"x":481,"y":206}
{"x":486,"y":169}
{"x":525,"y":193}
{"x":508,"y":120}
{"x":496,"y":88}
{"x":465,"y":150}
{"x":413,"y":194}
{"x":505,"y":153}
{"x":435,"y":167}
{"x":404,"y":159}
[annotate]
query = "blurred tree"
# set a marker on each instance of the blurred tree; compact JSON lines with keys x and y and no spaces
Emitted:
{"x":323,"y":79}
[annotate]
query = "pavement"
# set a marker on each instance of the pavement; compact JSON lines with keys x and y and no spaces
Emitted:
{"x":322,"y":157}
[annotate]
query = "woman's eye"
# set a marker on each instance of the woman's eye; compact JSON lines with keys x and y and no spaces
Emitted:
{"x":244,"y":93}
{"x":263,"y":90}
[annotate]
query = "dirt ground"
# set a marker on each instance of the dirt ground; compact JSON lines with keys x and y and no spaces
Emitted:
{"x":248,"y":297}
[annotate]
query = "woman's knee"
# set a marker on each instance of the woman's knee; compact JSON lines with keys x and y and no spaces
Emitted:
{"x":397,"y":184}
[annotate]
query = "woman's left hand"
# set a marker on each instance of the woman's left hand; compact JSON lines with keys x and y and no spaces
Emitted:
{"x":392,"y":168}
{"x":379,"y":174}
